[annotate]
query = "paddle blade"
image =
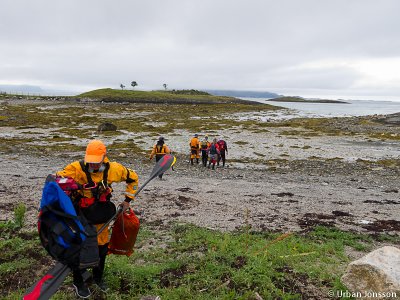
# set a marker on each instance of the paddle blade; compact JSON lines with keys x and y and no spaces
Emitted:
{"x":162,"y":165}
{"x":46,"y":286}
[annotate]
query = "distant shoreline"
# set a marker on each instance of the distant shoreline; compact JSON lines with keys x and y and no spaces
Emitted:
{"x":302,"y":100}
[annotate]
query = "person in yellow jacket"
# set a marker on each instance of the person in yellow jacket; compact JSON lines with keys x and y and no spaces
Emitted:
{"x":204,"y":146}
{"x":96,"y":174}
{"x":194,"y":149}
{"x":159,"y":150}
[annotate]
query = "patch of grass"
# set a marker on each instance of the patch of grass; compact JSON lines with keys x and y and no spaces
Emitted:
{"x":56,"y":126}
{"x":313,"y":157}
{"x":385,"y":136}
{"x":19,"y":215}
{"x":242,"y":143}
{"x":198,"y":263}
{"x":21,"y":256}
{"x":19,"y":219}
{"x":290,"y":132}
{"x":334,"y":159}
{"x":204,"y":264}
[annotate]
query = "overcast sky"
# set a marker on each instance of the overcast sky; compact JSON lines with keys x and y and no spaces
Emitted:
{"x":340,"y":48}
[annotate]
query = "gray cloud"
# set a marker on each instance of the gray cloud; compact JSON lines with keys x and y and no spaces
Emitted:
{"x":255,"y":44}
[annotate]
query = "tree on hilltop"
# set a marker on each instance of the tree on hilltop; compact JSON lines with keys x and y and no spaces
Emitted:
{"x":133,"y":84}
{"x":165,"y":86}
{"x":121,"y":86}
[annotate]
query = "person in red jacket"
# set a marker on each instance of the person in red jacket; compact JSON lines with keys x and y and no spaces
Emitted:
{"x":223,"y":149}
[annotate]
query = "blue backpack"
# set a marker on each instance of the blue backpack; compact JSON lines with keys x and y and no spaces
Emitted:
{"x":66,"y":236}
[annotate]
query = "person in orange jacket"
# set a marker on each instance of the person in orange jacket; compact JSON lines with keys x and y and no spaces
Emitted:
{"x":194,"y":148}
{"x":96,"y":174}
{"x":159,"y":150}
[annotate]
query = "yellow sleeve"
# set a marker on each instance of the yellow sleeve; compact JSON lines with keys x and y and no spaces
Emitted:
{"x":72,"y":170}
{"x":119,"y":173}
{"x":132,"y":182}
{"x":153,"y":152}
{"x":167,"y":150}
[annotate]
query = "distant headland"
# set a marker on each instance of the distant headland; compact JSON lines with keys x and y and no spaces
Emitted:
{"x":300,"y":99}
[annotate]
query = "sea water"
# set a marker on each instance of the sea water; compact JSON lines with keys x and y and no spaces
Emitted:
{"x":349,"y":109}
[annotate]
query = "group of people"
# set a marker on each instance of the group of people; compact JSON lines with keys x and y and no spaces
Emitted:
{"x":212,"y":153}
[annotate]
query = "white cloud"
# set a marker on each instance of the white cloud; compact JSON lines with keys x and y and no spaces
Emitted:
{"x":341,"y":47}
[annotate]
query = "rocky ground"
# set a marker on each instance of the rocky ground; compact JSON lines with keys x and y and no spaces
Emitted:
{"x":283,"y":178}
{"x":288,"y":195}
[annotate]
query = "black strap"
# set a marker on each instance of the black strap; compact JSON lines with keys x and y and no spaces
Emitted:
{"x":128,"y":177}
{"x":95,"y":190}
{"x":105,"y":174}
{"x":57,"y":212}
{"x":85,"y":169}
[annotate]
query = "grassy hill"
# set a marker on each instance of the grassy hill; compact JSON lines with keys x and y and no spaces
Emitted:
{"x":173,"y":97}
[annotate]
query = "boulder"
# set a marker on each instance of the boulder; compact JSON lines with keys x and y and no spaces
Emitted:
{"x":393,"y":119}
{"x":106,"y":127}
{"x":377,"y":272}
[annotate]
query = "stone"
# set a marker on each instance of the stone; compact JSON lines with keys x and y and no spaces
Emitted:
{"x":376,"y":272}
{"x":150,"y":298}
{"x":106,"y":127}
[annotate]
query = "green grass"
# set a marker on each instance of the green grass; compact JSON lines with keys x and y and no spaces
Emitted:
{"x":74,"y":121}
{"x":21,"y":256}
{"x":198,"y":263}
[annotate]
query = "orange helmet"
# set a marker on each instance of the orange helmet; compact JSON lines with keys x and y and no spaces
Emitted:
{"x":95,"y":152}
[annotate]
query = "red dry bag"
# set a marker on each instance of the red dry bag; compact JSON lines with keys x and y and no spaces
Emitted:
{"x":124,"y":234}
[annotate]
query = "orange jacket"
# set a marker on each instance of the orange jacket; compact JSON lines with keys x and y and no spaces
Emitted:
{"x":194,"y":143}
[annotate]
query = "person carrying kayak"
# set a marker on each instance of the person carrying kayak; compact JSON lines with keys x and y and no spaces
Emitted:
{"x":96,"y":174}
{"x":159,"y":150}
